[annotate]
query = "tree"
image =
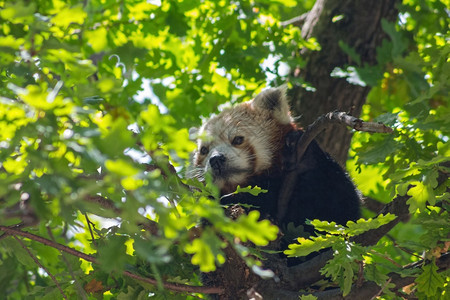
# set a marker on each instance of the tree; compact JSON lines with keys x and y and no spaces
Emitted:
{"x":96,"y":99}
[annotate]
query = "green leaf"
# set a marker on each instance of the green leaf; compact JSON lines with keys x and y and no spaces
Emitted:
{"x":131,"y":293}
{"x":68,"y":15}
{"x":308,"y":297}
{"x":151,"y":251}
{"x":292,"y":232}
{"x":388,"y":119}
{"x":112,"y":255}
{"x":206,"y":250}
{"x":370,"y":75}
{"x":430,"y":178}
{"x":363,"y":225}
{"x":18,"y":12}
{"x":116,"y":139}
{"x":329,"y":227}
{"x":249,"y":228}
{"x":399,"y":43}
{"x":377,"y":151}
{"x":307,"y":246}
{"x":255,"y":191}
{"x":341,"y":267}
{"x":97,"y":39}
{"x":121,"y":167}
{"x":420,"y":195}
{"x":372,"y":273}
{"x":429,"y":281}
{"x":14,"y":248}
{"x":347,"y":279}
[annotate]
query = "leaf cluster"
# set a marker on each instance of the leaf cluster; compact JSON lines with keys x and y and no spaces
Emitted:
{"x":95,"y":99}
{"x":347,"y":255}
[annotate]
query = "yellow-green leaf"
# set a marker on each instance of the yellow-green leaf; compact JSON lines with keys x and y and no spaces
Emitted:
{"x":420,"y":194}
{"x":68,"y":15}
{"x":248,"y":227}
{"x":97,"y":38}
{"x":206,"y":250}
{"x":307,"y":246}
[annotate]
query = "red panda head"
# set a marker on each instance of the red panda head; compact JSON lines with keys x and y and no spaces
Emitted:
{"x":242,"y":141}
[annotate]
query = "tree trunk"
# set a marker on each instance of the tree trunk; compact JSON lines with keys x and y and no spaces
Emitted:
{"x":359,"y":27}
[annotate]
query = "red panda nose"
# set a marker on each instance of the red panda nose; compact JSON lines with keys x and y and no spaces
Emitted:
{"x":217,"y":163}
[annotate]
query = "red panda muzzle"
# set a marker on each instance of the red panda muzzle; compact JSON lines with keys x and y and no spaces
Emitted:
{"x":217,"y":163}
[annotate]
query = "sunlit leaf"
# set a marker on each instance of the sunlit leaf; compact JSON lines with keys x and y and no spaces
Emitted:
{"x":363,"y":225}
{"x":307,"y":246}
{"x":420,"y":195}
{"x":69,"y":15}
{"x":248,"y":227}
{"x":206,"y":250}
{"x":255,"y":191}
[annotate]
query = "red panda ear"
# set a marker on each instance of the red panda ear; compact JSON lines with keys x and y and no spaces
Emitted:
{"x":274,"y":100}
{"x":193,"y":133}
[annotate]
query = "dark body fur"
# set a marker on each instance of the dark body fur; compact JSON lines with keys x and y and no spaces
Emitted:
{"x":323,"y":191}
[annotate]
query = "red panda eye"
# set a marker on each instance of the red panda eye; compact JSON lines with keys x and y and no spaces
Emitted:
{"x":237,"y":140}
{"x":204,"y":150}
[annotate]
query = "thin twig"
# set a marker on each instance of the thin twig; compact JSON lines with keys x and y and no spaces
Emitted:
{"x":296,"y":21}
{"x":170,"y":286}
{"x":41,"y":266}
{"x":386,"y":257}
{"x":382,"y":289}
{"x":402,"y":248}
{"x":90,"y":229}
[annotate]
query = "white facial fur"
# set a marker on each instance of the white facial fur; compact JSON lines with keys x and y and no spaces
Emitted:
{"x":242,"y":141}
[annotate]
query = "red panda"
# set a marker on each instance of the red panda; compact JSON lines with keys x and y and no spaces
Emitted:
{"x":246,"y":145}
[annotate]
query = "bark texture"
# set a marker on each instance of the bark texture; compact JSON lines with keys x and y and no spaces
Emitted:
{"x":360,"y":28}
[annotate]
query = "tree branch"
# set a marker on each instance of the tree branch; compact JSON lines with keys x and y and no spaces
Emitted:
{"x":372,"y":204}
{"x":169,"y":286}
{"x":296,"y":21}
{"x":103,"y":202}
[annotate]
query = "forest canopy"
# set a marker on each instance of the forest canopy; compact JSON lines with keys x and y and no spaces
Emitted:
{"x":96,"y":101}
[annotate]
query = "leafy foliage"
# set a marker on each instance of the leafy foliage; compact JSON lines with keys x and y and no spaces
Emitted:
{"x":95,"y":101}
{"x":347,"y":254}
